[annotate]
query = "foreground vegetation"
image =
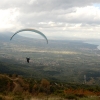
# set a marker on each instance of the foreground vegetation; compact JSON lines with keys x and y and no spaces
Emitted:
{"x":14,"y":87}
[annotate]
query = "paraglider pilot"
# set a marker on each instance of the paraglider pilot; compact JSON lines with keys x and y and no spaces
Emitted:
{"x":27,"y":59}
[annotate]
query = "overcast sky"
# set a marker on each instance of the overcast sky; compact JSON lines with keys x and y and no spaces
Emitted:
{"x":55,"y":18}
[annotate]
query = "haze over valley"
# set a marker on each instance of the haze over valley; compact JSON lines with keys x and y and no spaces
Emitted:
{"x":61,"y":60}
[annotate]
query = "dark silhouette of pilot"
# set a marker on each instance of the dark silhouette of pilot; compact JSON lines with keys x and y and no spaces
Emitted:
{"x":27,"y":59}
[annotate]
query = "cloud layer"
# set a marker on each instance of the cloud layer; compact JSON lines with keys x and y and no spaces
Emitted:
{"x":56,"y":18}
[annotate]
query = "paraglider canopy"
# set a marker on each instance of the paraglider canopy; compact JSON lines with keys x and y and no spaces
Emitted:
{"x":32,"y":30}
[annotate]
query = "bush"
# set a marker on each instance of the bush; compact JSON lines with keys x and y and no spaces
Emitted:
{"x":18,"y":98}
{"x":80,"y":95}
{"x":1,"y":98}
{"x":71,"y":97}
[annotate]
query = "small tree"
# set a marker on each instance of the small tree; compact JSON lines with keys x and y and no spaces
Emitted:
{"x":45,"y":85}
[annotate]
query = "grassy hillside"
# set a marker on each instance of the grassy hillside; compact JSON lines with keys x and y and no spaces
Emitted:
{"x":15,"y":87}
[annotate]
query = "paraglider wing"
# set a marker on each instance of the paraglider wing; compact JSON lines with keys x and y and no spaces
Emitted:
{"x":33,"y":30}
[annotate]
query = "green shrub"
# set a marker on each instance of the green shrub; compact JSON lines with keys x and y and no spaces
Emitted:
{"x":1,"y":98}
{"x":18,"y":98}
{"x":71,"y":97}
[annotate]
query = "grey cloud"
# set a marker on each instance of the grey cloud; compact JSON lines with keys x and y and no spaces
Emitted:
{"x":59,"y":16}
{"x":32,"y":12}
{"x":44,"y":5}
{"x":35,"y":11}
{"x":50,"y":5}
